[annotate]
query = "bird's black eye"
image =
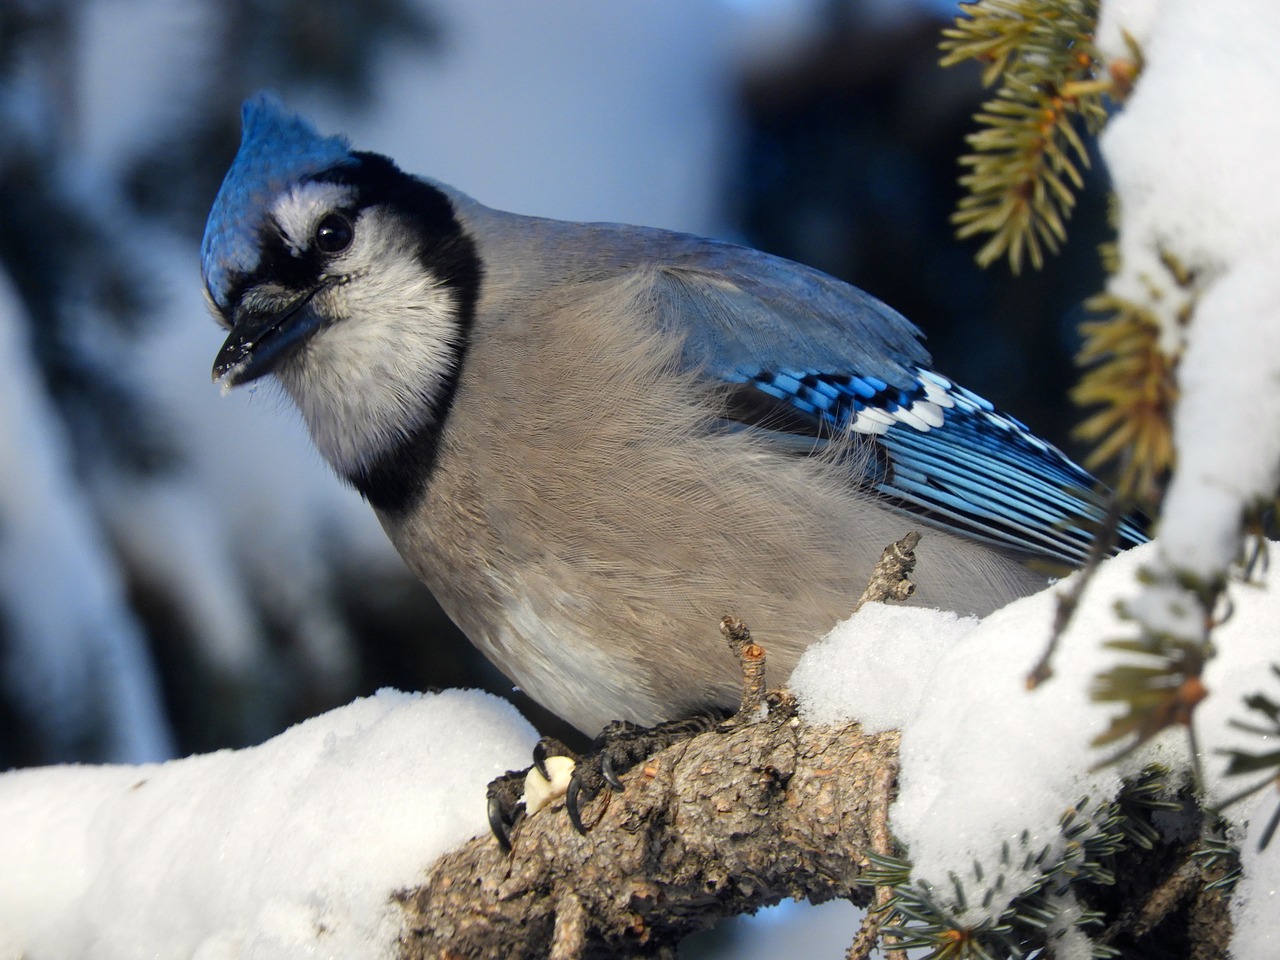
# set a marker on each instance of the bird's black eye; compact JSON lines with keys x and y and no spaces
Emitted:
{"x":334,"y":233}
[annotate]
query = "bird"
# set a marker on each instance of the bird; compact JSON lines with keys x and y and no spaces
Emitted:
{"x":591,"y":440}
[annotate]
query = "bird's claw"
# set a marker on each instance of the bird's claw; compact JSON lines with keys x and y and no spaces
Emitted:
{"x":572,"y":805}
{"x":546,"y":748}
{"x":521,"y":793}
{"x":609,"y":773}
{"x":620,"y":747}
{"x":505,"y":806}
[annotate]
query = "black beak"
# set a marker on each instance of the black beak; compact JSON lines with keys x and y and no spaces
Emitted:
{"x":263,"y":336}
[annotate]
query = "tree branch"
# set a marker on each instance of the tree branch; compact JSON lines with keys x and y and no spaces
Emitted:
{"x":718,"y":825}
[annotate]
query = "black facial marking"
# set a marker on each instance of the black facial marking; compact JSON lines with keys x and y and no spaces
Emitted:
{"x":397,"y":478}
{"x":277,"y":264}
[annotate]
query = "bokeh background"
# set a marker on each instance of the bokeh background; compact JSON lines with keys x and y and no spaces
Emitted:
{"x":178,"y":570}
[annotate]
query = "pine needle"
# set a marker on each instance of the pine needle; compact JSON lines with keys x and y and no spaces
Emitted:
{"x":1025,"y":170}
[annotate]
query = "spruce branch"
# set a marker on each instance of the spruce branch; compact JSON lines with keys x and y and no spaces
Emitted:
{"x":1131,"y":378}
{"x":1132,"y":381}
{"x":731,"y":820}
{"x":1264,"y":722}
{"x":1100,"y":842}
{"x":1028,"y":153}
{"x":1159,"y":687}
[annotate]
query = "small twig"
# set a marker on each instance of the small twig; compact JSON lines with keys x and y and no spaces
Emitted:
{"x":868,"y":933}
{"x":1068,"y":600}
{"x":891,"y":578}
{"x":1163,"y":900}
{"x":1166,"y":898}
{"x":752,"y":658}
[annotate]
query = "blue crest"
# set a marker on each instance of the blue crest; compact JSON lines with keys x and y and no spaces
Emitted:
{"x":278,"y":148}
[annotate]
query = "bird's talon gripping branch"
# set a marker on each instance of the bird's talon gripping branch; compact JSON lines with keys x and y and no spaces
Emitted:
{"x":610,"y":774}
{"x":544,"y":750}
{"x":504,"y":807}
{"x":573,"y":805}
{"x":522,"y":793}
{"x":620,"y":747}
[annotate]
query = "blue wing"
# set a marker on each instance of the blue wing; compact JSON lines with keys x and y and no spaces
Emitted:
{"x":817,"y":358}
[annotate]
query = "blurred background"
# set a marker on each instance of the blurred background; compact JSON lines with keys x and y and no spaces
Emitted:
{"x":178,"y":570}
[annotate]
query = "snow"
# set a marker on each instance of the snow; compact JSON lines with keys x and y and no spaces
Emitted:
{"x":1116,"y":18}
{"x":971,"y":729}
{"x":894,"y":645}
{"x":1191,"y":156}
{"x":1255,"y":906}
{"x":289,"y":849}
{"x":293,"y":848}
{"x":1192,"y":159}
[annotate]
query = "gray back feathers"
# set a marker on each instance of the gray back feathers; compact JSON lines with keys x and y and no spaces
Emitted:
{"x":589,"y":522}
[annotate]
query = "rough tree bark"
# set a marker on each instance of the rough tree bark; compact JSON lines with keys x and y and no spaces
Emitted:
{"x":726,"y":823}
{"x":713,"y":827}
{"x":733,"y":820}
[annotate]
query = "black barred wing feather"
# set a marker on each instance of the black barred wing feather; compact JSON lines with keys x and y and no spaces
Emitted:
{"x":943,"y":453}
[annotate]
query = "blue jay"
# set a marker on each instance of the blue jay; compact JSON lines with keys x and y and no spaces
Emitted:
{"x":591,"y":440}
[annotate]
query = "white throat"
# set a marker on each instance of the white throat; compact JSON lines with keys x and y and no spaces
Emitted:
{"x":368,"y":380}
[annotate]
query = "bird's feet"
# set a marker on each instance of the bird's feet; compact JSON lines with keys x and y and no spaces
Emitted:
{"x":620,"y":747}
{"x":520,"y":793}
{"x":559,"y":772}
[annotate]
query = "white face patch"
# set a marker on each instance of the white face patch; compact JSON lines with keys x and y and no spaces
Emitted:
{"x":303,"y":206}
{"x":367,"y":380}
